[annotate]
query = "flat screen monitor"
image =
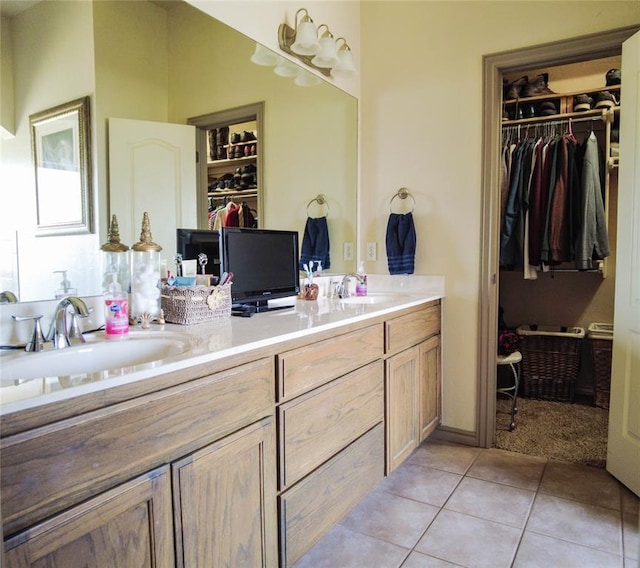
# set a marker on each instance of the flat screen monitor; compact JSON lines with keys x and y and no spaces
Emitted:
{"x":264,"y":263}
{"x":192,"y":242}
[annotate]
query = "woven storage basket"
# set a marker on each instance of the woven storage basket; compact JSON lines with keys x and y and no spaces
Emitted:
{"x":601,"y":339}
{"x":196,"y":304}
{"x":550,"y":361}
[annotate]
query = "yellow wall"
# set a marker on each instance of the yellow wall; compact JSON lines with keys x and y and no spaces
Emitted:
{"x":421,"y":113}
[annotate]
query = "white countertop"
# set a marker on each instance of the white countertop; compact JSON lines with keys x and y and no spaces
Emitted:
{"x":208,"y":342}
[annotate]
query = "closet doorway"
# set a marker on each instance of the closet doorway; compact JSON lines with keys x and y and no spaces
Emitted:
{"x":566,"y":53}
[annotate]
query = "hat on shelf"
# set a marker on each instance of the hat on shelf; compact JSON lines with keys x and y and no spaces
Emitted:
{"x":613,"y":77}
{"x":548,"y":108}
{"x":582,"y":103}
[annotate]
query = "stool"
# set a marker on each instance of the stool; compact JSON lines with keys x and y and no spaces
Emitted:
{"x":513,"y":360}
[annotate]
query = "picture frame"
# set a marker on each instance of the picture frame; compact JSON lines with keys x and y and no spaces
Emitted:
{"x":60,"y":141}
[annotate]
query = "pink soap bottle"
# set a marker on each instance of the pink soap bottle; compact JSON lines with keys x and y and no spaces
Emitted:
{"x":116,"y":311}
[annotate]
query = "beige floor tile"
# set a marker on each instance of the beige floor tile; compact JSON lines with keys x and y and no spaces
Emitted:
{"x":512,"y":469}
{"x":418,"y":560}
{"x":589,"y":525}
{"x":346,"y":549}
{"x":491,"y":501}
{"x":539,"y":551}
{"x":581,"y":483}
{"x":469,"y":541}
{"x":421,"y":483}
{"x":631,"y":536}
{"x":448,"y":457}
{"x":630,"y":501}
{"x":391,"y":518}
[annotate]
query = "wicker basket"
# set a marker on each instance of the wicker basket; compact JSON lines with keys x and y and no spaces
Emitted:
{"x":196,"y":304}
{"x":550,"y":361}
{"x":601,"y":339}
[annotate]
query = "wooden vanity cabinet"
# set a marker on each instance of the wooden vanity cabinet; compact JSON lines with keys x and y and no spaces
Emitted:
{"x":129,"y":525}
{"x":96,"y":488}
{"x":412,"y":382}
{"x":224,"y":501}
{"x":330,"y":434}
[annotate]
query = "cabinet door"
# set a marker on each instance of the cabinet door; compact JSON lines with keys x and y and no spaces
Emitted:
{"x":402,"y":391}
{"x":225,"y":501}
{"x":430,"y":392}
{"x":126,"y":526}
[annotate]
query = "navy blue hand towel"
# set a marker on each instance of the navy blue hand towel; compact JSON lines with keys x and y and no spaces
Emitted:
{"x":401,"y":243}
{"x":315,"y":243}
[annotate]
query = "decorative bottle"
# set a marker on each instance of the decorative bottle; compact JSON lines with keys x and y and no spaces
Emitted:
{"x":115,"y":282}
{"x":145,"y":276}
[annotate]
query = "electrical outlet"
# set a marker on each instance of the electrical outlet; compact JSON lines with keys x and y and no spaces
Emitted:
{"x":372,"y":251}
{"x":347,"y":253}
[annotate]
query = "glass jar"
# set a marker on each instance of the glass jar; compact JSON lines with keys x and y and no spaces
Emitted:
{"x":145,"y":275}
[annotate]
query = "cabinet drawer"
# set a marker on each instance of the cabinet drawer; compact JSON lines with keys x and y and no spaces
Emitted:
{"x":409,"y":330}
{"x":304,"y":368}
{"x":312,"y":507}
{"x":53,"y":467}
{"x":315,"y":426}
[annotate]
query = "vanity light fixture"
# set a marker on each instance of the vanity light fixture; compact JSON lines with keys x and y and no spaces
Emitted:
{"x":322,"y":54}
{"x":264,"y":56}
{"x":345,"y":66}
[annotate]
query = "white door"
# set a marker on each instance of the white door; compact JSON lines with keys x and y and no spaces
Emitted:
{"x":623,"y":448}
{"x":152,"y":168}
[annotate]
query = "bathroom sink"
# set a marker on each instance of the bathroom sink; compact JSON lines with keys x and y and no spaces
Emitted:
{"x":95,"y":355}
{"x":371,"y":299}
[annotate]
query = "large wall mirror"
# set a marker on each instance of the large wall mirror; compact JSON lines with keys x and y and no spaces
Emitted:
{"x":164,"y":62}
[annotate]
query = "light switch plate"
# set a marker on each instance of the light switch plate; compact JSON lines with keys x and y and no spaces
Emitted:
{"x":347,"y":253}
{"x":372,"y":251}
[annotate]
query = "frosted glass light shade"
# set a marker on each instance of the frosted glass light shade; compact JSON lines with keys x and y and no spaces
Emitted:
{"x":345,"y":66}
{"x":306,"y":39}
{"x":327,"y":55}
{"x":286,"y":68}
{"x":264,"y":56}
{"x":306,"y":79}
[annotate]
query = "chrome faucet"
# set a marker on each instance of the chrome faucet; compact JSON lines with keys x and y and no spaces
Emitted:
{"x":62,"y":333}
{"x":8,"y":297}
{"x":342,"y":288}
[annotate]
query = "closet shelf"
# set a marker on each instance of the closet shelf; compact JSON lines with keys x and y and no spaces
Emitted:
{"x":551,"y":96}
{"x":234,"y":193}
{"x":606,"y":115}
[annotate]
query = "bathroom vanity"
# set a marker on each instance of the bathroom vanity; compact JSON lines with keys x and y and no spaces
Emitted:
{"x":242,"y":450}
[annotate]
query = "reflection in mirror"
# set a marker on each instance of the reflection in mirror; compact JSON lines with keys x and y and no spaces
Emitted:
{"x":186,"y":64}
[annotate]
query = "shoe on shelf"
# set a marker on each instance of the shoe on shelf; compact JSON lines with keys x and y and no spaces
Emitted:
{"x":548,"y":108}
{"x":513,"y":90}
{"x":538,"y":86}
{"x":582,"y":103}
{"x":529,"y":111}
{"x":613,"y":77}
{"x":605,"y":99}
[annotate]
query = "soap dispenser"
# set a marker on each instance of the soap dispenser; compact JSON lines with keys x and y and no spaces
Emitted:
{"x":145,"y":275}
{"x":361,"y":281}
{"x":116,"y":310}
{"x":65,"y":286}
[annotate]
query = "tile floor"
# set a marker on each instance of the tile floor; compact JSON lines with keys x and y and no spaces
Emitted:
{"x":452,"y":505}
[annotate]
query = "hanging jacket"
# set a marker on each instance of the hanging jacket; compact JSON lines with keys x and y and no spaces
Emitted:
{"x":593,"y":241}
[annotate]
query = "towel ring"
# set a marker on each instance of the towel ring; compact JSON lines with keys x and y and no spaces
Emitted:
{"x":320,"y":199}
{"x":403,"y":193}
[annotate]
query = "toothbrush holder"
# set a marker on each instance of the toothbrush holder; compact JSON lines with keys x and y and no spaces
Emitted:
{"x":309,"y":292}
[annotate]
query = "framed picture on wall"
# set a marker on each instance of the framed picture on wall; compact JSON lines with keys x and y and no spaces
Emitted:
{"x":60,"y":139}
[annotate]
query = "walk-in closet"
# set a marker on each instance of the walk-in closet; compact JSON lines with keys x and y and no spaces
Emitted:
{"x":556,"y":281}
